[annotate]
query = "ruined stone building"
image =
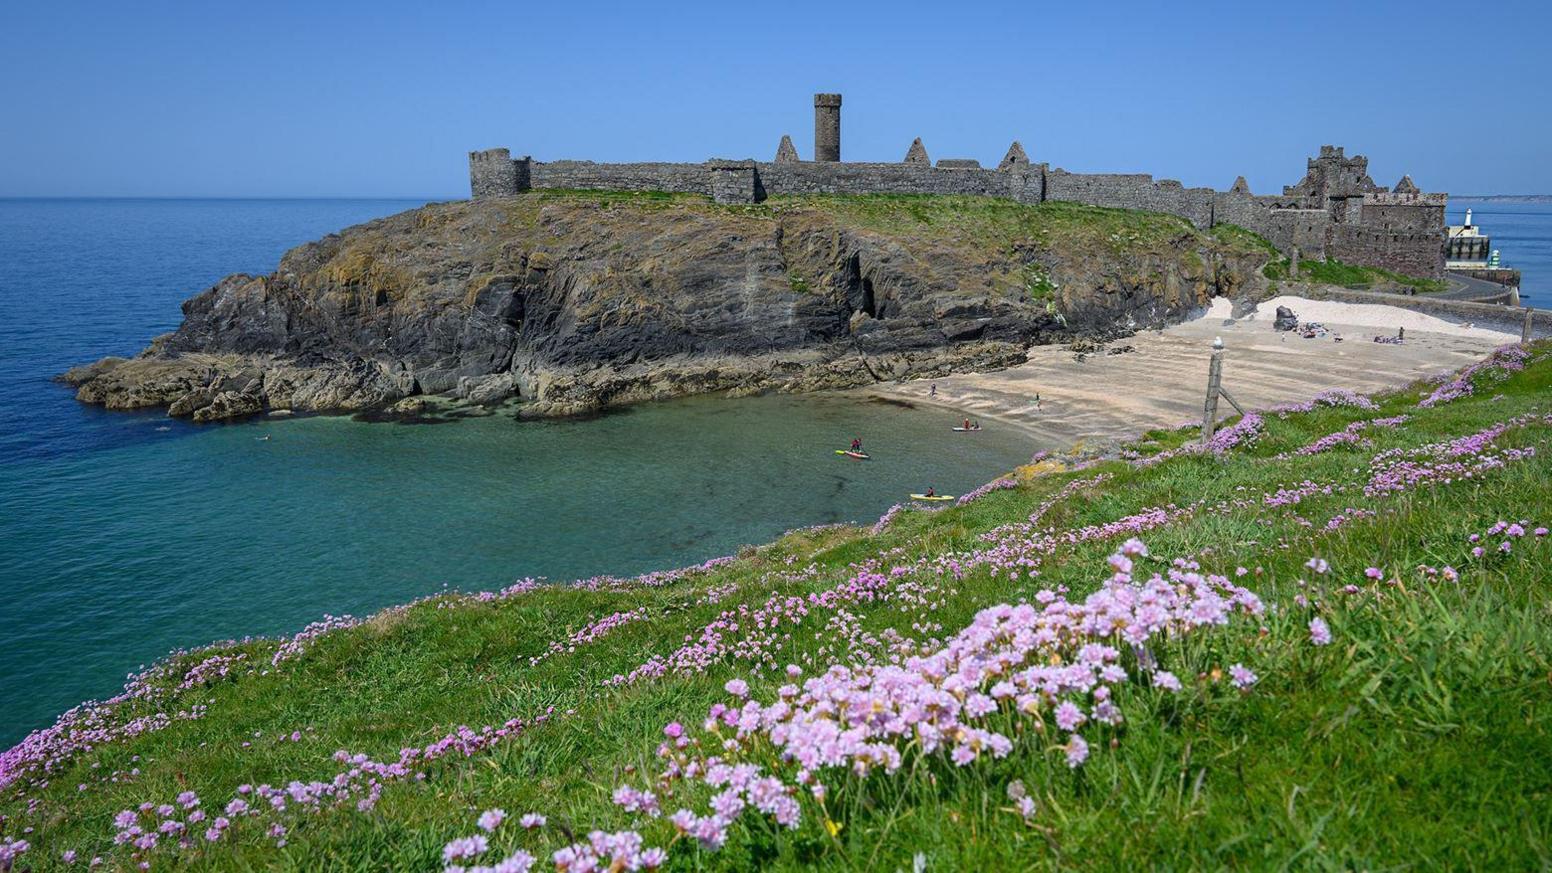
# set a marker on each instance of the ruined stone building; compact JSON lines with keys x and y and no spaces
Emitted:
{"x":1335,"y":211}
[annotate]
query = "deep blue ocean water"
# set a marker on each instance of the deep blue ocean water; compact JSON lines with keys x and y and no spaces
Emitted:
{"x":124,"y":535}
{"x":1522,"y":232}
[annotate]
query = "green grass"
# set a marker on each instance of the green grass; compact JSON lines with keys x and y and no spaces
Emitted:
{"x":1417,"y":740}
{"x":1329,"y":272}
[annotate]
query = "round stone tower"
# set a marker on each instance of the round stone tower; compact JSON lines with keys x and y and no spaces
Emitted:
{"x":827,"y":127}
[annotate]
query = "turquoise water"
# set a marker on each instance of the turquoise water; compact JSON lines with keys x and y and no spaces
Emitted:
{"x":125,"y":535}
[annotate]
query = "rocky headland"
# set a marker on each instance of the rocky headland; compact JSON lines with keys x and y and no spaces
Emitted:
{"x":573,"y":301}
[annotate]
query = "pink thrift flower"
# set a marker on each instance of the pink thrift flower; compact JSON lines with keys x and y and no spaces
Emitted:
{"x":1242,"y":677}
{"x":517,"y":862}
{"x":464,"y":848}
{"x":1068,"y":716}
{"x":491,"y":819}
{"x":532,"y":821}
{"x":1077,"y":751}
{"x":1320,"y":634}
{"x":736,"y":687}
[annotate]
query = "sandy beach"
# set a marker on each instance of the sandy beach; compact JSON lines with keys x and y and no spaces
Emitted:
{"x":1161,"y":382}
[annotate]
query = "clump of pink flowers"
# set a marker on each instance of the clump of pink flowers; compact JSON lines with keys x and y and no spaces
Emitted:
{"x":1241,"y":433}
{"x":1502,"y":363}
{"x":1055,"y":662}
{"x":989,"y":487}
{"x":1335,"y":397}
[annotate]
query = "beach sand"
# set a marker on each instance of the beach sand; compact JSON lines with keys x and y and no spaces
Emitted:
{"x":1162,"y":383}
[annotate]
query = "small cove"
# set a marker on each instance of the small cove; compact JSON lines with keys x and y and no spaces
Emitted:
{"x":125,"y":535}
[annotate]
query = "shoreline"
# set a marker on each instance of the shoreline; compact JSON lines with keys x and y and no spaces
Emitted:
{"x":1157,"y":378}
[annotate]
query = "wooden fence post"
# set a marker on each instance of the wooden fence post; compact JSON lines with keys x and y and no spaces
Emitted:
{"x":1214,"y":388}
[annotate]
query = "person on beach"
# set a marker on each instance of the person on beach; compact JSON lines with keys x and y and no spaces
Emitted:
{"x":1037,"y":401}
{"x":933,"y":391}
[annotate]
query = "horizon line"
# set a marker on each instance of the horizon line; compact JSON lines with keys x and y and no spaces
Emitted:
{"x":431,"y":198}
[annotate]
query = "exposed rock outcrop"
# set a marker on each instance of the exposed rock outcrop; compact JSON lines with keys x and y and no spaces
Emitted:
{"x":575,"y":301}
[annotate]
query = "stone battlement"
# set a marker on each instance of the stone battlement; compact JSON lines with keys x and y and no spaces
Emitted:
{"x":1336,"y":210}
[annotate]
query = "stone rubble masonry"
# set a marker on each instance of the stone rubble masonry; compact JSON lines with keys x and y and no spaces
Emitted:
{"x":827,"y":127}
{"x":786,"y":153}
{"x":1335,"y":211}
{"x":492,"y":173}
{"x":1015,"y":157}
{"x":732,"y":181}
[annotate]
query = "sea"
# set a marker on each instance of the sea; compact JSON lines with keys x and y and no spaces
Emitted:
{"x":1522,"y":233}
{"x":125,"y":535}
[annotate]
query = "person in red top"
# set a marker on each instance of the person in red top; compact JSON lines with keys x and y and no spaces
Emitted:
{"x":856,"y":444}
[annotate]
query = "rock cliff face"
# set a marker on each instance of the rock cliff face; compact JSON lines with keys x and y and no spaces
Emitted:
{"x":572,"y":301}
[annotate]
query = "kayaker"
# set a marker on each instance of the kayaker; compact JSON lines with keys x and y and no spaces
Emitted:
{"x":931,"y":492}
{"x":856,"y":444}
{"x":967,"y":424}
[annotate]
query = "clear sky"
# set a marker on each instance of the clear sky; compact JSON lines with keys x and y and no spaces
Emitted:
{"x":152,"y":98}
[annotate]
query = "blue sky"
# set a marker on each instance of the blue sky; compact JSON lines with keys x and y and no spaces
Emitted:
{"x":384,"y":99}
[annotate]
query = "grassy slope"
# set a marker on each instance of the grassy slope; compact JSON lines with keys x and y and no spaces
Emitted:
{"x":1417,"y":739}
{"x":1326,"y":272}
{"x":973,"y":245}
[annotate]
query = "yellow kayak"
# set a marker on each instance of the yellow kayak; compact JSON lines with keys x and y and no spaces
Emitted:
{"x":933,"y":497}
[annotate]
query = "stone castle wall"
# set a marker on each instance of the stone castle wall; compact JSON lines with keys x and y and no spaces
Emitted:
{"x":1336,"y":211}
{"x":674,"y":178}
{"x":1415,"y":253}
{"x":1132,"y":191}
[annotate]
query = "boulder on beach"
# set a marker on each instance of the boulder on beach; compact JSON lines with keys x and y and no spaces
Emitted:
{"x":1286,"y":320}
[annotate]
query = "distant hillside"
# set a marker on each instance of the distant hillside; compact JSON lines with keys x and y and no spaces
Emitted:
{"x":1507,"y":198}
